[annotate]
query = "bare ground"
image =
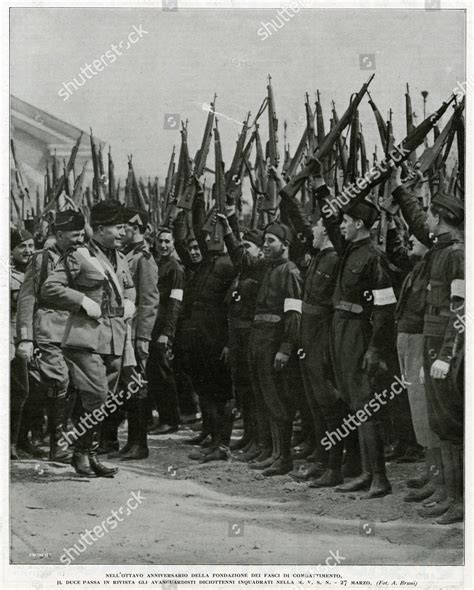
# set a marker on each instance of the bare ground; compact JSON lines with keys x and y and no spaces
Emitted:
{"x":216,"y":513}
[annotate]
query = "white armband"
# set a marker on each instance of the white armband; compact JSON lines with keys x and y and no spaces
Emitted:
{"x":177,"y":294}
{"x":457,"y":288}
{"x":384,"y":296}
{"x":292,"y":305}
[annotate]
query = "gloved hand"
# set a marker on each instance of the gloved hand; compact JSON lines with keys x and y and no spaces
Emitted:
{"x":91,"y":308}
{"x":281,"y":359}
{"x":439,"y":369}
{"x":142,"y":349}
{"x":373,"y":363}
{"x":128,"y":309}
{"x":24,"y":350}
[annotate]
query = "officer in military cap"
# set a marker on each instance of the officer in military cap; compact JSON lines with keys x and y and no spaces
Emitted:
{"x":145,"y":278}
{"x":93,"y":282}
{"x":274,"y":337}
{"x":39,"y":325}
{"x":362,"y":331}
{"x":443,"y":337}
{"x":22,"y":247}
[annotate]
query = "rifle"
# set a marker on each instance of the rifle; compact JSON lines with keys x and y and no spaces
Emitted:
{"x":233,"y":180}
{"x":312,"y":141}
{"x":270,"y":201}
{"x":186,"y":199}
{"x":341,"y":148}
{"x":180,"y":179}
{"x":386,"y":190}
{"x":111,"y":168}
{"x":409,"y":123}
{"x":20,"y":182}
{"x":296,"y":159}
{"x":216,"y":243}
{"x":169,"y":180}
{"x":352,"y":168}
{"x":321,"y":134}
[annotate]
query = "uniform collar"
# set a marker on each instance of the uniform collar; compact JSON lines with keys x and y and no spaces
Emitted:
{"x":445,"y":239}
{"x":136,"y":246}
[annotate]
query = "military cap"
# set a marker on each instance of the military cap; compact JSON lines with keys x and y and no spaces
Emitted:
{"x":17,"y":236}
{"x":450,"y":203}
{"x":255,"y":236}
{"x":136,"y":216}
{"x":364,"y":210}
{"x":107,"y":213}
{"x":280,"y":230}
{"x":69,"y":220}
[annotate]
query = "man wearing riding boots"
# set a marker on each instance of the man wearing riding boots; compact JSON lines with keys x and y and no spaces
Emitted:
{"x":93,"y":282}
{"x":39,"y":325}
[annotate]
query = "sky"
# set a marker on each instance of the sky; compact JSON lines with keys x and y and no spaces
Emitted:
{"x":183,"y":57}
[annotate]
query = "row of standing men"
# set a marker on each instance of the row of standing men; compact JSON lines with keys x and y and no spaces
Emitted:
{"x":350,"y":327}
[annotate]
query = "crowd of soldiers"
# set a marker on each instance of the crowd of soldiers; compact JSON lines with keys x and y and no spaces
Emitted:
{"x":328,"y":348}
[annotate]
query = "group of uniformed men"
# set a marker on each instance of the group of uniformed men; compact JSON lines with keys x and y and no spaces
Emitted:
{"x":304,"y":318}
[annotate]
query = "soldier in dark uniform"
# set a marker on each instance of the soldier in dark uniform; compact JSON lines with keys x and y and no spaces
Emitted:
{"x":205,"y":311}
{"x":39,"y":325}
{"x":438,"y":229}
{"x":22,"y":248}
{"x":145,"y":278}
{"x":362,"y":331}
{"x":274,"y":336}
{"x":327,"y":408}
{"x":242,"y":298}
{"x":160,"y":369}
{"x":93,"y":282}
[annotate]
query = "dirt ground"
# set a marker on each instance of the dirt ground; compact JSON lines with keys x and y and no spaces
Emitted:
{"x":216,"y":513}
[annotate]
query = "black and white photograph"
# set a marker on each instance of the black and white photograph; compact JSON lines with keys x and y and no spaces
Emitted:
{"x":233,"y":294}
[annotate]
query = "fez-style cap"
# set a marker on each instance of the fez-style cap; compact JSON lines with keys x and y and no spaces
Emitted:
{"x":107,"y":213}
{"x":255,"y":236}
{"x":17,"y":236}
{"x":136,"y":216}
{"x":450,"y":203}
{"x":364,"y":210}
{"x":69,"y":221}
{"x":164,"y":230}
{"x":280,"y":230}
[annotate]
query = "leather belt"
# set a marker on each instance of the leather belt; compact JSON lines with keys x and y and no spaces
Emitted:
{"x":112,"y":311}
{"x":267,"y":317}
{"x":237,"y":323}
{"x":348,"y":306}
{"x":312,"y":309}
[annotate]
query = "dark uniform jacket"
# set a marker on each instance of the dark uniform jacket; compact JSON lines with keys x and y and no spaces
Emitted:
{"x":320,"y":275}
{"x":280,"y":292}
{"x":145,"y":278}
{"x":37,"y":321}
{"x":171,"y":288}
{"x":17,"y":276}
{"x":86,"y":270}
{"x":445,"y":271}
{"x":364,"y":285}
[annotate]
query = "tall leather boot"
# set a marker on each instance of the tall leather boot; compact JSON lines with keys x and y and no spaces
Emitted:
{"x":97,"y":467}
{"x":58,"y":447}
{"x":132,"y":411}
{"x":332,"y":476}
{"x":108,"y":433}
{"x":431,"y":477}
{"x":284,"y":462}
{"x":437,"y":477}
{"x":225,"y":422}
{"x":439,"y":507}
{"x":380,"y":485}
{"x":455,"y":513}
{"x":206,"y":425}
{"x":82,"y":445}
{"x":24,"y":444}
{"x":365,"y":479}
{"x":139,"y":445}
{"x":270,"y":458}
{"x":212,"y":426}
{"x":352,"y":462}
